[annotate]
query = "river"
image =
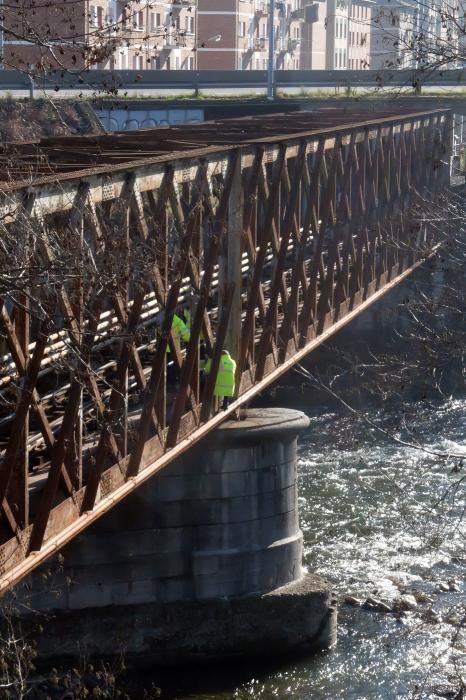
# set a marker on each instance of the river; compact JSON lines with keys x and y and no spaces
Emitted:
{"x":380,"y":519}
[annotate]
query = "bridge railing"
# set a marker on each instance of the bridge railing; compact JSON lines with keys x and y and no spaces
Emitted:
{"x":273,"y":245}
{"x":121,"y":80}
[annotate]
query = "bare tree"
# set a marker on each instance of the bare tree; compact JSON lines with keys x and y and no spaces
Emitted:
{"x":50,"y":36}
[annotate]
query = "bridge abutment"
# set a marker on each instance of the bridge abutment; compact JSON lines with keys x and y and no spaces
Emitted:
{"x":203,"y":561}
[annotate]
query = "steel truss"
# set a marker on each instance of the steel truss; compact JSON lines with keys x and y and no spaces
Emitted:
{"x":274,"y":244}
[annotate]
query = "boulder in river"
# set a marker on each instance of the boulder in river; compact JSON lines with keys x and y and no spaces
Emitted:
{"x":422,"y":597}
{"x":406,"y":602}
{"x":351,"y":600}
{"x":454,"y":586}
{"x":431,"y":616}
{"x":377,"y":605}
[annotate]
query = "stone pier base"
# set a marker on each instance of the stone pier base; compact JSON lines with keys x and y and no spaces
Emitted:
{"x":202,"y":561}
{"x":298,"y":618}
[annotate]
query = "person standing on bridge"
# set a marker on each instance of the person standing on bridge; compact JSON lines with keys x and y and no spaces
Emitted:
{"x":226,"y":377}
{"x":181,"y":334}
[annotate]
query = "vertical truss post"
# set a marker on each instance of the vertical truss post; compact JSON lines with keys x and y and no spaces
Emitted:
{"x":448,"y":155}
{"x":18,"y":492}
{"x":121,"y":252}
{"x":232,"y":268}
{"x":76,"y":445}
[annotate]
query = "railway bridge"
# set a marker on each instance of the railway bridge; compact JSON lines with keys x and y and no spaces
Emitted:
{"x":274,"y":231}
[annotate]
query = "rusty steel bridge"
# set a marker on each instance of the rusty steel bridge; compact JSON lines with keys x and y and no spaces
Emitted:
{"x":276,"y":231}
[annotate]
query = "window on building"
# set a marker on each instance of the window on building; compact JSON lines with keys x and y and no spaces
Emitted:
{"x":242,"y":28}
{"x":345,"y":29}
{"x":155,"y":20}
{"x":92,"y":16}
{"x":139,"y":21}
{"x":100,"y":17}
{"x":336,"y":59}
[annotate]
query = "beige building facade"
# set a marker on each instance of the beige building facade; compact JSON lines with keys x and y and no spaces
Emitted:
{"x":314,"y":36}
{"x":222,"y":34}
{"x":337,"y":34}
{"x":233,"y":34}
{"x":360,"y":29}
{"x":153,"y":35}
{"x":393,"y":30}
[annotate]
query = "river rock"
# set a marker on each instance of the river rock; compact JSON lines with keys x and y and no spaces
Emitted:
{"x":377,"y":605}
{"x":351,"y":600}
{"x":452,"y":619}
{"x":446,"y":691}
{"x":431,"y":616}
{"x":422,"y":597}
{"x":443,"y":587}
{"x":407,"y":602}
{"x":454,"y":586}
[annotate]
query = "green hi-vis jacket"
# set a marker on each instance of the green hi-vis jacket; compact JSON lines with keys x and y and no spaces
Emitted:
{"x":225,"y":380}
{"x":180,"y":329}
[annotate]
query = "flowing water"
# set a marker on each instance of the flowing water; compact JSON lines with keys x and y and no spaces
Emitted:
{"x":379,"y":519}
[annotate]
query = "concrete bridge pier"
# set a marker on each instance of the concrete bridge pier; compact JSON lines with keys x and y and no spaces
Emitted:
{"x":202,"y":562}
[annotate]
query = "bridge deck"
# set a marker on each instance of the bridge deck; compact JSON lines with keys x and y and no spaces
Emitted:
{"x":273,"y":243}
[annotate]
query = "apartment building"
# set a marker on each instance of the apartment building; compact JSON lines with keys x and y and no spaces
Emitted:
{"x":337,"y":34}
{"x":314,"y":36}
{"x":155,"y":35}
{"x":43,"y":35}
{"x":347,"y":36}
{"x":104,"y":34}
{"x":360,"y":34}
{"x":225,"y":34}
{"x":394,"y":28}
{"x":412,"y":34}
{"x":233,"y":34}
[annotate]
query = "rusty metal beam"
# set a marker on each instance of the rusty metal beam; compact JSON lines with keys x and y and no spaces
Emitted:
{"x":285,"y":237}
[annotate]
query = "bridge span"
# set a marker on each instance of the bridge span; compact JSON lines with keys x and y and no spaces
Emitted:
{"x":275,"y":231}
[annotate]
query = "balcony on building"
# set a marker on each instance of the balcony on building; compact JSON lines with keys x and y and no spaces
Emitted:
{"x":297,"y":15}
{"x":257,"y":43}
{"x":293,"y":45}
{"x":185,"y":36}
{"x":261,"y":9}
{"x":171,"y":42}
{"x":179,"y":4}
